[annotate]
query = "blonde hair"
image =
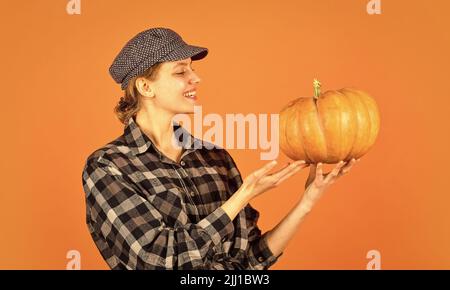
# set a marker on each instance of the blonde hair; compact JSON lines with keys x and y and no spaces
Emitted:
{"x":130,"y":103}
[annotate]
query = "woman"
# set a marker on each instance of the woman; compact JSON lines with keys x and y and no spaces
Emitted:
{"x":152,"y":205}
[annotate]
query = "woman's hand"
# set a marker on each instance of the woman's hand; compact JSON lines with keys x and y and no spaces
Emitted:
{"x":317,"y":182}
{"x":261,"y":181}
{"x":257,"y":183}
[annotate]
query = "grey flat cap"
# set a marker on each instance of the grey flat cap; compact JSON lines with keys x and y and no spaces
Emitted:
{"x":149,"y":47}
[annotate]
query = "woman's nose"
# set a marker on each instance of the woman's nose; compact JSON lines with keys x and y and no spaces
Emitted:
{"x":195,"y":78}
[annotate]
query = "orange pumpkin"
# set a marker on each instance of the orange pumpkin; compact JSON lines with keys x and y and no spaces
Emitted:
{"x":329,"y":127}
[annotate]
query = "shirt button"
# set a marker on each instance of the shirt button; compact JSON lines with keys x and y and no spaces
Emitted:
{"x":191,"y":193}
{"x":182,"y":163}
{"x":260,"y":259}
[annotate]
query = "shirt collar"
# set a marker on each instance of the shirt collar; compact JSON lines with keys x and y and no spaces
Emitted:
{"x":139,"y":142}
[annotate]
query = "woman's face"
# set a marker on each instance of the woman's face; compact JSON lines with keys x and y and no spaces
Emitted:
{"x":175,"y":87}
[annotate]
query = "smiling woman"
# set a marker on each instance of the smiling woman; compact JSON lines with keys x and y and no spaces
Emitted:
{"x":153,"y":205}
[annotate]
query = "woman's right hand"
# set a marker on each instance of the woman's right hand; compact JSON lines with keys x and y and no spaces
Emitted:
{"x":260,"y":181}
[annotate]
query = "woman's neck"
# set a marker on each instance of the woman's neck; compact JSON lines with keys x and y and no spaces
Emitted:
{"x":158,"y":127}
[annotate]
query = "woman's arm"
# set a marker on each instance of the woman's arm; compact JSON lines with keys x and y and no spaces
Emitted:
{"x":282,"y":233}
{"x":258,"y":255}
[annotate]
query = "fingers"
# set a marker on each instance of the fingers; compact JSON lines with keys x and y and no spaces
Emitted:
{"x":319,"y":170}
{"x":287,"y":169}
{"x":334,"y":172}
{"x":312,"y":170}
{"x":316,"y":172}
{"x":279,"y":176}
{"x":348,"y":166}
{"x":341,"y":168}
{"x":258,"y":174}
{"x":280,"y":172}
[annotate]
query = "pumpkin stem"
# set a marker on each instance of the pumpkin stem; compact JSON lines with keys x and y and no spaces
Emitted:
{"x":316,"y":85}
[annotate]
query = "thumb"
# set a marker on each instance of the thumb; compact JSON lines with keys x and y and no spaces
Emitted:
{"x":312,"y":174}
{"x":312,"y":170}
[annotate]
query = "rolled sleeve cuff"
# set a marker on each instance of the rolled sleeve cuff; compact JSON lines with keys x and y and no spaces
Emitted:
{"x":218,"y":225}
{"x":262,"y":257}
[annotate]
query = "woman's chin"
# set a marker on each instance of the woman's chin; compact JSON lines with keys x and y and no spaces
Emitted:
{"x":191,"y":104}
{"x":192,"y":100}
{"x":187,"y":109}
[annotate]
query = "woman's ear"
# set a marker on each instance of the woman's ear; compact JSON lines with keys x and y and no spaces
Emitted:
{"x":144,"y":88}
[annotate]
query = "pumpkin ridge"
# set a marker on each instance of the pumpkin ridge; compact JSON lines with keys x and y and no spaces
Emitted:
{"x":303,"y":145}
{"x":368,"y":101}
{"x":363,"y":102}
{"x":297,"y":113}
{"x":360,"y":109}
{"x":322,"y":130}
{"x":357,"y":124}
{"x":291,"y":114}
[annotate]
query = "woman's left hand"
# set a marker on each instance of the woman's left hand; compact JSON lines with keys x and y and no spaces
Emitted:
{"x":317,"y":182}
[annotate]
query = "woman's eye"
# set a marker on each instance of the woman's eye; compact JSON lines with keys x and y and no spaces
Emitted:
{"x":183,"y":72}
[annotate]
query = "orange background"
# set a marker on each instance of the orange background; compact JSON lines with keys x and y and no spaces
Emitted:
{"x":57,"y":102}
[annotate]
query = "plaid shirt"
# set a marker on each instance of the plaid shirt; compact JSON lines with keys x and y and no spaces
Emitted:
{"x":145,"y":211}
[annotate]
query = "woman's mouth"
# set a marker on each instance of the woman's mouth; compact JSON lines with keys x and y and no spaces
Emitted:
{"x":192,"y":95}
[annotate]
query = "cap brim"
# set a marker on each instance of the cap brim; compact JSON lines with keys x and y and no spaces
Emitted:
{"x":194,"y":52}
